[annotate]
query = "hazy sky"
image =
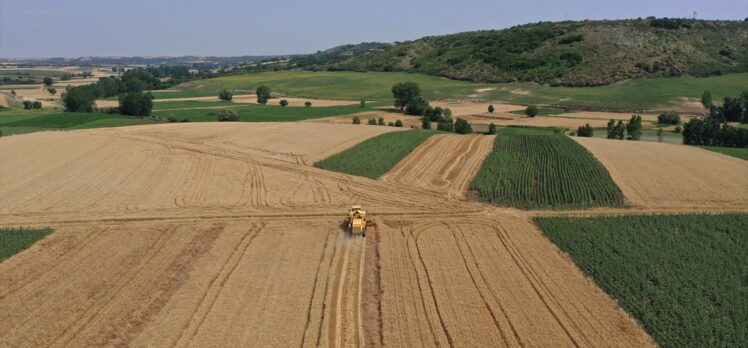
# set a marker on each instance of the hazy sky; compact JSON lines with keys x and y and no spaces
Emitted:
{"x":72,"y":28}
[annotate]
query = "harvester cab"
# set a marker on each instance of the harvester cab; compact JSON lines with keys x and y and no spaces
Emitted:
{"x":357,"y":221}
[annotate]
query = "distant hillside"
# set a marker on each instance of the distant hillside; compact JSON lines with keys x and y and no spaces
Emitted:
{"x":571,"y":53}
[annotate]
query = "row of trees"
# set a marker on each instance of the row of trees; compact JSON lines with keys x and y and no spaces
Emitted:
{"x":408,"y":98}
{"x":733,"y":109}
{"x":713,"y":129}
{"x":616,"y":130}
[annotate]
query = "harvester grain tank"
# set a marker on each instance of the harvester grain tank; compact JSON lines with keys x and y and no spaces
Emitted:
{"x":357,"y":221}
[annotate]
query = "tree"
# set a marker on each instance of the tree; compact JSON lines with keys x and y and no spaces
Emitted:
{"x":13,"y":93}
{"x":618,"y":130}
{"x":660,"y":134}
{"x":706,"y":100}
{"x":65,"y":77}
{"x":398,"y":123}
{"x":585,"y":131}
{"x":78,"y":99}
{"x":225,"y":95}
{"x":611,"y":129}
{"x":284,"y":102}
{"x":732,"y":109}
{"x":404,"y":93}
{"x":380,"y":121}
{"x":136,"y":104}
{"x":307,"y":103}
{"x":362,"y":103}
{"x":490,"y":108}
{"x":391,"y":124}
{"x":425,"y":123}
{"x":492,"y":128}
{"x":634,"y":127}
{"x":462,"y":126}
{"x":263,"y":94}
{"x":416,"y":107}
{"x":531,"y":111}
{"x":52,"y":90}
{"x":356,"y":120}
{"x":228,"y":116}
{"x":372,"y":122}
{"x":48,"y":81}
{"x":434,"y":114}
{"x":446,"y":125}
{"x":744,"y":99}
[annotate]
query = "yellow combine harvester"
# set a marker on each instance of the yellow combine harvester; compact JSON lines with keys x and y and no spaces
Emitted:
{"x":357,"y":220}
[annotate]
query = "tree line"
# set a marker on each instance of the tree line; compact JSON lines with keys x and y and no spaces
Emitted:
{"x":713,"y":129}
{"x":408,"y":99}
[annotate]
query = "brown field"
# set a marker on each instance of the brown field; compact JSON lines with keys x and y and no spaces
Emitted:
{"x":408,"y":121}
{"x":219,"y":235}
{"x":656,"y":175}
{"x":444,"y":163}
{"x":240,"y":99}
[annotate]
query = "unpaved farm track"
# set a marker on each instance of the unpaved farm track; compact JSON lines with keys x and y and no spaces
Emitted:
{"x":443,"y":163}
{"x":201,"y":235}
{"x":656,"y":175}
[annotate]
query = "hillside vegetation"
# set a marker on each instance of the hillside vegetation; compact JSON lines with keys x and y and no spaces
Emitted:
{"x":571,"y":53}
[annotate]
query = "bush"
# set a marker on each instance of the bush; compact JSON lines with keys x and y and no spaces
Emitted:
{"x":585,"y":131}
{"x":462,"y":126}
{"x":416,"y":107}
{"x":52,"y":90}
{"x":263,"y":94}
{"x":228,"y":116}
{"x":363,"y":103}
{"x":492,"y":128}
{"x":490,"y":109}
{"x":307,"y":103}
{"x":284,"y":102}
{"x":356,"y":120}
{"x":381,"y":121}
{"x":136,"y":104}
{"x":677,"y":130}
{"x":669,"y":118}
{"x":372,"y":122}
{"x":28,"y":104}
{"x":66,"y":77}
{"x":225,"y":95}
{"x":391,"y":124}
{"x":398,"y":123}
{"x":47,"y":81}
{"x":531,"y":111}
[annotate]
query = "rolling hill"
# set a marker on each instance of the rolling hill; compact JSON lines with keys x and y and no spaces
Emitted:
{"x":570,"y":53}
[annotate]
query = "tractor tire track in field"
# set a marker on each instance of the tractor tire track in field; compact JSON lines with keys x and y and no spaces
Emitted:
{"x":345,"y":326}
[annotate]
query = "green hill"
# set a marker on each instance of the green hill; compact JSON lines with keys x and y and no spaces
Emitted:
{"x":571,"y":53}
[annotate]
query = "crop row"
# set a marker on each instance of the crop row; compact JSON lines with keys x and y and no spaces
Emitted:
{"x":543,"y":171}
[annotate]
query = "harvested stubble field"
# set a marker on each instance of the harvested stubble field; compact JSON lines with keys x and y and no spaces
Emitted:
{"x":444,"y":162}
{"x":187,"y":235}
{"x":655,"y":175}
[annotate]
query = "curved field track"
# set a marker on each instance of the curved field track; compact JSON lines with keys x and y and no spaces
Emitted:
{"x":218,"y":235}
{"x":656,"y":175}
{"x":443,"y":163}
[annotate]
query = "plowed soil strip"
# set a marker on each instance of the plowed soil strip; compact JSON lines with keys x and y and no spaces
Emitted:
{"x":443,"y":163}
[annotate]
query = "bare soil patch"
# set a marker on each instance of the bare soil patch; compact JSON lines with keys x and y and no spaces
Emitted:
{"x":657,"y":175}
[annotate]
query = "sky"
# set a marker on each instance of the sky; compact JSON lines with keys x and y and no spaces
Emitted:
{"x":78,"y":28}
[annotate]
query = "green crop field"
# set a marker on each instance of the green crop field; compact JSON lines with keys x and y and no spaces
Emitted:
{"x":13,"y":240}
{"x":266,"y":113}
{"x":188,"y":104}
{"x":381,"y":153}
{"x":20,"y":122}
{"x":730,"y":151}
{"x":536,"y":169}
{"x":683,"y":277}
{"x":659,"y":93}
